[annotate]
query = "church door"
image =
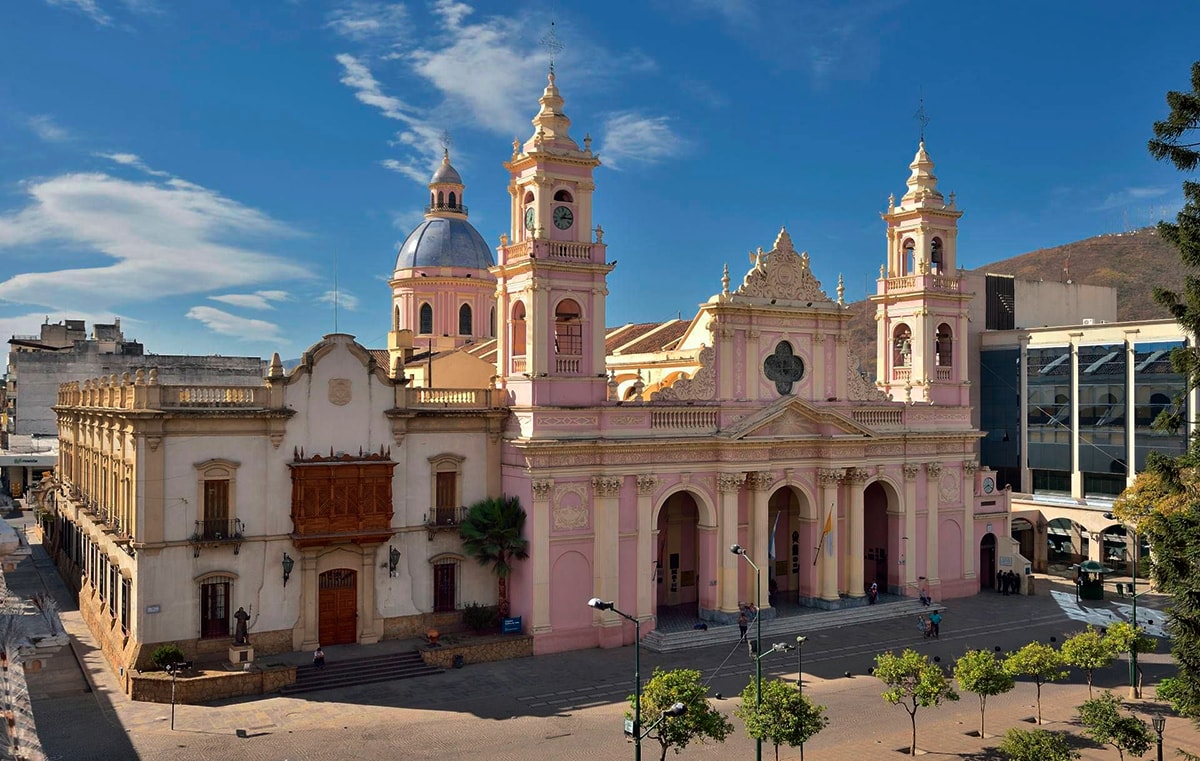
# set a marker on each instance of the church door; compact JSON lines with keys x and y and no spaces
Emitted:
{"x":987,"y":561}
{"x":337,"y":607}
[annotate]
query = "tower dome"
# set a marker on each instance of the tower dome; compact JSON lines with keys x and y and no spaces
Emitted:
{"x":445,"y":238}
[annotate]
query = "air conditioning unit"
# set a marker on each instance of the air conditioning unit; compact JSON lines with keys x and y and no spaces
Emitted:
{"x":1089,"y":321}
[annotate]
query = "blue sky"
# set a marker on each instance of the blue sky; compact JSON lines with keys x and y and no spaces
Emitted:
{"x":197,"y":168}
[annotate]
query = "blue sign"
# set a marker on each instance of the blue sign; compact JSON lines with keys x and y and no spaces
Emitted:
{"x":511,"y":625}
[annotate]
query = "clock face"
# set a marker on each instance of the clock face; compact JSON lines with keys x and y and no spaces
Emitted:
{"x":529,"y":218}
{"x":563,"y":218}
{"x":988,"y":485}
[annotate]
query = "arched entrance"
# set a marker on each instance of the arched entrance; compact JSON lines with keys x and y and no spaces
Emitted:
{"x":987,"y":561}
{"x":677,"y":583}
{"x":791,"y":576}
{"x":337,"y":607}
{"x":1067,"y":543}
{"x":880,"y":538}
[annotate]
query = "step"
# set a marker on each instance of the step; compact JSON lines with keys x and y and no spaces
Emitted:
{"x":665,"y":642}
{"x":368,"y":670}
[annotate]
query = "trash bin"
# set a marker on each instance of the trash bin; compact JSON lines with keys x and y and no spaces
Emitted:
{"x":458,"y":661}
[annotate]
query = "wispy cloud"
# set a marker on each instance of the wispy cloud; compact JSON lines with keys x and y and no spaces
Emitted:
{"x":256,"y":300}
{"x":411,"y":169}
{"x":407,"y":220}
{"x":134,"y":161}
{"x":228,"y":324}
{"x":89,"y":8}
{"x":631,"y":137}
{"x":150,"y":239}
{"x":343,"y":299}
{"x":357,"y":76}
{"x":45,"y":128}
{"x":1132,"y":195}
{"x":370,"y":21}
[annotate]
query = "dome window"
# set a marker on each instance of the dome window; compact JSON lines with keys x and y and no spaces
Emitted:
{"x":464,"y":320}
{"x":453,"y":200}
{"x":426,"y":320}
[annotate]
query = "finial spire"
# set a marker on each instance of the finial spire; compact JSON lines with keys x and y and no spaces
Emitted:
{"x":922,"y":117}
{"x":553,"y":45}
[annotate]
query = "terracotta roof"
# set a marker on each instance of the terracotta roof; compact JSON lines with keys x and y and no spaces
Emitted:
{"x":663,"y":339}
{"x":616,"y":337}
{"x":381,"y":359}
{"x":485,"y":350}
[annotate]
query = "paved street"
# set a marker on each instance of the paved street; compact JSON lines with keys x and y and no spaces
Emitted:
{"x":570,"y":706}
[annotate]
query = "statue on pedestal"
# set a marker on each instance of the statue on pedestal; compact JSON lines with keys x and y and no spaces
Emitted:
{"x":240,"y":635}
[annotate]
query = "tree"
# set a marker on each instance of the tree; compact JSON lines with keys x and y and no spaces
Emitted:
{"x":1041,"y":663}
{"x":1037,"y":745}
{"x":1124,"y":637}
{"x":913,"y":681}
{"x":980,"y":672}
{"x":699,"y":722}
{"x":786,"y":716}
{"x":1106,"y":724}
{"x":1088,"y":651}
{"x":492,"y":534}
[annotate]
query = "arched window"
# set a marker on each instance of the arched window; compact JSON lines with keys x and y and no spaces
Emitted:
{"x":441,"y":198}
{"x":432,"y":198}
{"x":568,"y":329}
{"x":396,"y":319}
{"x":464,"y":320}
{"x":492,"y":323}
{"x":935,"y":255}
{"x":563,"y":195}
{"x":453,"y":200}
{"x":902,"y":346}
{"x":944,"y":346}
{"x":425,"y":326}
{"x":518,"y":329}
{"x":528,"y":197}
{"x":910,"y":255}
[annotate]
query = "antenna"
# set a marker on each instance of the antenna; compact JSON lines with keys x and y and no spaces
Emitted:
{"x":922,"y":117}
{"x":446,"y":141}
{"x":335,"y":295}
{"x":552,"y":44}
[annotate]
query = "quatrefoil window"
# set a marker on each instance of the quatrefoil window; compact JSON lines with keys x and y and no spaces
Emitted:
{"x":784,"y":368}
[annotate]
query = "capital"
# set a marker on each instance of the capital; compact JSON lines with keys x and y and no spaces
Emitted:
{"x":933,"y":469}
{"x":911,"y":469}
{"x":759,"y":480}
{"x":828,"y":477}
{"x":541,"y":488}
{"x":857,"y":475}
{"x":646,"y":484}
{"x":606,"y":486}
{"x":970,"y":466}
{"x":730,"y":482}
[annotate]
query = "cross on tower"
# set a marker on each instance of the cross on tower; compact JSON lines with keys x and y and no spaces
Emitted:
{"x":552,"y":44}
{"x":445,"y":140}
{"x":922,"y":118}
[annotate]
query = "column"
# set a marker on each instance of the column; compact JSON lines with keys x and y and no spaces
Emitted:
{"x":539,"y":554}
{"x":1026,"y":484}
{"x":911,"y":469}
{"x":933,"y":472}
{"x":969,"y":546}
{"x":1130,"y":408}
{"x":855,"y":478}
{"x":728,"y":486}
{"x":646,"y":484}
{"x":309,"y":596}
{"x":827,"y":562}
{"x":370,"y":627}
{"x":1076,"y":474}
{"x":759,"y":483}
{"x":606,"y":554}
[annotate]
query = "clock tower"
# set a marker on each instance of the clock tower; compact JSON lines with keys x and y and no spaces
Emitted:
{"x":921,"y":309}
{"x":551,"y":272}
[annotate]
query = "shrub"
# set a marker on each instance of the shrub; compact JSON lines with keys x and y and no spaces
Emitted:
{"x":480,"y":617}
{"x":164,"y":655}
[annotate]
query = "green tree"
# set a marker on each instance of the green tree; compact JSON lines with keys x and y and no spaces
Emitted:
{"x":913,"y":681}
{"x":1089,"y":651}
{"x":1124,"y":637}
{"x":786,"y":716}
{"x":492,"y":534}
{"x":1041,"y":663}
{"x":980,"y":672}
{"x":1106,"y":724}
{"x":700,"y":721}
{"x":1037,"y":745}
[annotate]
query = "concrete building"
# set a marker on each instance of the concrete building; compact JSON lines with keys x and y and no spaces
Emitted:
{"x":325,"y":501}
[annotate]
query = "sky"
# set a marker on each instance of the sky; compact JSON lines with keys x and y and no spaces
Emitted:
{"x":212,"y":173}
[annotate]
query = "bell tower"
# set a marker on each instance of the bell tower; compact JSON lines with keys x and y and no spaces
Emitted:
{"x":551,"y":272}
{"x":921,"y":309}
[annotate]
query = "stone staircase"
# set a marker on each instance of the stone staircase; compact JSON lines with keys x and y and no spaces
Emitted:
{"x":786,"y":628}
{"x":376,"y":668}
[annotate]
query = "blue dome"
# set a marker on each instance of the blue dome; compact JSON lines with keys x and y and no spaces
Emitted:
{"x":445,"y":242}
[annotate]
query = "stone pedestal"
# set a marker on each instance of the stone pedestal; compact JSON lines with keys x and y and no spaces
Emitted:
{"x":240,"y":655}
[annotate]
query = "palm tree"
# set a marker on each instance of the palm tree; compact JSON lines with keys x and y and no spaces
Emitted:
{"x":491,"y":534}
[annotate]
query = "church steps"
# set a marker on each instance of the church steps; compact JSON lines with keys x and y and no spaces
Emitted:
{"x":351,"y":673}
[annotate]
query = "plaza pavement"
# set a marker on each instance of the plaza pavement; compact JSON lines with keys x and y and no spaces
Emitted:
{"x":570,"y":706}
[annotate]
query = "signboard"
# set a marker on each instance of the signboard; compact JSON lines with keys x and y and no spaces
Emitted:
{"x":1005,"y":561}
{"x":151,"y":609}
{"x":511,"y":625}
{"x":629,"y":727}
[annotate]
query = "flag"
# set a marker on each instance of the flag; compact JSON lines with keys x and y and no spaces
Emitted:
{"x":827,"y":533}
{"x":771,"y":541}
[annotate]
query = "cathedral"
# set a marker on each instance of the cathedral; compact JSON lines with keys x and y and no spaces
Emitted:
{"x":324,"y":502}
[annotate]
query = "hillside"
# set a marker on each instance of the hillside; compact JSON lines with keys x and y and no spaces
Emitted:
{"x":1135,"y":263}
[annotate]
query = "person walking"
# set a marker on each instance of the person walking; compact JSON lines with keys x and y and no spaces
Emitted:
{"x":743,"y":622}
{"x":935,"y":624}
{"x":319,"y":658}
{"x":923,"y":624}
{"x":1000,"y":582}
{"x":874,"y":592}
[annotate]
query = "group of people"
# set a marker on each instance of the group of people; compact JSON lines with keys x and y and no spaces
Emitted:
{"x":1008,"y":583}
{"x":746,"y":611}
{"x":930,"y":627}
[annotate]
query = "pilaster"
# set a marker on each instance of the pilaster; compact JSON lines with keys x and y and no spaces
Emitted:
{"x":968,"y":491}
{"x":933,"y":472}
{"x":827,"y":483}
{"x":759,"y":482}
{"x":646,"y":537}
{"x":855,"y":478}
{"x":911,"y":469}
{"x":605,"y":551}
{"x":728,"y":486}
{"x":370,"y":624}
{"x":308,"y":601}
{"x":539,"y":554}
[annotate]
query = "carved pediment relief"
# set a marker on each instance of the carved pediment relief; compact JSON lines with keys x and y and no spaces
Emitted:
{"x":702,"y":386}
{"x":781,"y":275}
{"x":794,"y":418}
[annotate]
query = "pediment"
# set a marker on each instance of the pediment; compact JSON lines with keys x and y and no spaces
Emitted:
{"x":791,"y":417}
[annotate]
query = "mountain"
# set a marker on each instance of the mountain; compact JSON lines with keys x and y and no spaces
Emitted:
{"x":1135,"y":263}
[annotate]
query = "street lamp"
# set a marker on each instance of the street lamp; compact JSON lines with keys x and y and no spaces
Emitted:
{"x":1133,"y":685}
{"x":738,"y":549}
{"x":1159,"y":722}
{"x":800,"y":663}
{"x":599,"y":604}
{"x":676,"y":709}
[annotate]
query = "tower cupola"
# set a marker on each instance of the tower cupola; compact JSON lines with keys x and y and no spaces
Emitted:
{"x":445,"y":191}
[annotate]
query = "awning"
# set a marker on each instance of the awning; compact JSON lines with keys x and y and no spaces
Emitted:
{"x":29,"y":460}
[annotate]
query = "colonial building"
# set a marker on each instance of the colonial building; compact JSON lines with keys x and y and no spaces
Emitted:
{"x":324,"y":501}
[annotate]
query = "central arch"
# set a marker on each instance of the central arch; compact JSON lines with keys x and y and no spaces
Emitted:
{"x":882,"y":519}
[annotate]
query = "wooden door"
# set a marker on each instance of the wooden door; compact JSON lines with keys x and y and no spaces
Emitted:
{"x":337,"y":607}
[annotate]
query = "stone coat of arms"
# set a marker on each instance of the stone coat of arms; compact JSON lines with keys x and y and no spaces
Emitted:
{"x":339,"y":391}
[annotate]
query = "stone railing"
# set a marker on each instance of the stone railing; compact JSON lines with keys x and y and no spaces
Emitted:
{"x":518,"y":251}
{"x":567,"y":365}
{"x":452,"y":398}
{"x":878,"y":417}
{"x":518,"y":364}
{"x":929,"y":282}
{"x":572,"y":252}
{"x":944,"y":373}
{"x":548,"y":249}
{"x":684,"y":418}
{"x":902,"y":373}
{"x":141,"y":390}
{"x":214,"y":396}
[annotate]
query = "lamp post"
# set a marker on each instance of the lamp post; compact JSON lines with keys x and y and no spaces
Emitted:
{"x":676,"y":709}
{"x":1134,"y":692}
{"x":738,"y":549}
{"x":599,"y":604}
{"x":1159,"y":722}
{"x":800,"y":663}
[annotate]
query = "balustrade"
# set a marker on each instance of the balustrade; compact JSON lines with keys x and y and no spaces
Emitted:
{"x":567,"y":365}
